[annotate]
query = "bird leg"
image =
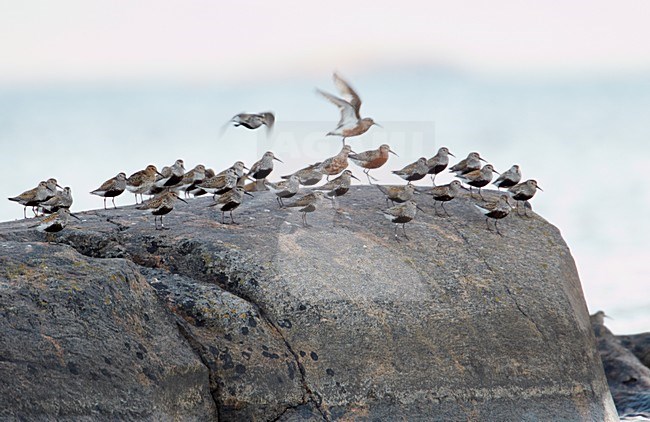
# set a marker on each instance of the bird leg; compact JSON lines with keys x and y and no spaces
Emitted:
{"x":480,"y":194}
{"x":435,"y":209}
{"x":487,"y":223}
{"x":104,"y":202}
{"x":433,"y":179}
{"x":497,"y":227}
{"x":113,"y":200}
{"x":223,"y":220}
{"x":404,"y":231}
{"x":445,"y":209}
{"x":232,"y":219}
{"x":370,"y":178}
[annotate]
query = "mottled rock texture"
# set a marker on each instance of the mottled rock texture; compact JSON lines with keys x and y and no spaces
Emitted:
{"x":268,"y":320}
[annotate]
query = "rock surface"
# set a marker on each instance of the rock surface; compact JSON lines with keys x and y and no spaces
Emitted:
{"x":268,"y":320}
{"x":628,"y":378}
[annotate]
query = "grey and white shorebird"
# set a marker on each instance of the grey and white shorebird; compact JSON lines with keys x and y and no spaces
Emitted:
{"x":509,"y":178}
{"x":142,"y":181}
{"x":262,"y":168}
{"x":523,"y":192}
{"x":438,"y":163}
{"x":33,"y":197}
{"x":171,"y":176}
{"x":160,"y":204}
{"x":444,"y":193}
{"x":111,"y":188}
{"x":397,"y":193}
{"x":285,"y":188}
{"x":495,"y":210}
{"x":478,"y":178}
{"x":372,"y":159}
{"x":252,"y":121}
{"x":191,"y":178}
{"x":309,"y":175}
{"x":402,"y":214}
{"x":308,"y":203}
{"x":334,"y":165}
{"x":221,"y":183}
{"x":194,"y":189}
{"x":350,"y":124}
{"x":55,"y":222}
{"x":229,"y":201}
{"x":338,"y":186}
{"x":466,"y":165}
{"x":414,"y":171}
{"x":62,"y":199}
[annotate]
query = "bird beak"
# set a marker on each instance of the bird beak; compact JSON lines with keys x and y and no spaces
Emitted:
{"x":159,"y":173}
{"x":539,"y":188}
{"x":181,"y":199}
{"x":451,"y":154}
{"x":249,"y":194}
{"x":482,"y":159}
{"x":377,"y":124}
{"x":328,"y":197}
{"x":277,"y":159}
{"x":354,"y":177}
{"x":59,"y":186}
{"x":495,"y":171}
{"x":352,"y":152}
{"x":418,"y":207}
{"x":393,"y":152}
{"x":246,"y":168}
{"x":464,"y":188}
{"x":72,"y":215}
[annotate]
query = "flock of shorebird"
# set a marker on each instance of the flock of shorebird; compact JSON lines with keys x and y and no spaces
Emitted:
{"x":229,"y":186}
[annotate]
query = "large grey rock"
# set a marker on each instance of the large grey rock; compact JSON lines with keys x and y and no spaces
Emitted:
{"x":340,"y":320}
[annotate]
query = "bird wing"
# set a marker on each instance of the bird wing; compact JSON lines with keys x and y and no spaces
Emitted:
{"x":269,"y":119}
{"x":395,"y":211}
{"x":348,"y":93}
{"x":363,"y":156}
{"x":349,"y":115}
{"x":106,"y":186}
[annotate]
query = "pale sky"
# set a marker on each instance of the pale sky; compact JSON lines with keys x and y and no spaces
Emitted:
{"x":89,"y":40}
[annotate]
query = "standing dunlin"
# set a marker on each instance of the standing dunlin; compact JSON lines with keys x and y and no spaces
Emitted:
{"x":523,"y":192}
{"x":192,"y":178}
{"x":194,"y":189}
{"x":142,"y":181}
{"x":308,"y":203}
{"x":438,"y":163}
{"x":478,"y":178}
{"x":160,"y":205}
{"x":221,"y":183}
{"x":33,"y":197}
{"x":402,"y":214}
{"x":471,"y":163}
{"x":229,"y":201}
{"x":509,"y":178}
{"x":372,"y":159}
{"x":444,"y":193}
{"x":397,"y":193}
{"x":335,"y":165}
{"x":351,"y":123}
{"x":309,"y":175}
{"x":253,"y":120}
{"x":111,"y":188}
{"x":414,"y":171}
{"x":54,"y":223}
{"x":284,"y":189}
{"x":173,"y":176}
{"x":262,"y":168}
{"x":339,"y":186}
{"x":62,"y":199}
{"x":495,"y":210}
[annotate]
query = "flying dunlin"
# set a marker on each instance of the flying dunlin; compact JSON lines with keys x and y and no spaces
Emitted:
{"x":495,"y":210}
{"x":372,"y":159}
{"x":284,"y":189}
{"x":160,"y":205}
{"x":111,"y":188}
{"x":335,"y":165}
{"x":397,"y":193}
{"x":62,"y":199}
{"x":351,"y":123}
{"x":438,"y":163}
{"x":402,"y":214}
{"x":309,"y":175}
{"x":471,"y":163}
{"x":253,"y":121}
{"x":414,"y":171}
{"x":229,"y":201}
{"x":523,"y":192}
{"x":444,"y":193}
{"x":478,"y":178}
{"x":509,"y":178}
{"x":308,"y":203}
{"x":142,"y":181}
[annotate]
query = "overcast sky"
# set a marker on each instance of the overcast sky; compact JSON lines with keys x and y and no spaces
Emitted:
{"x":72,"y":40}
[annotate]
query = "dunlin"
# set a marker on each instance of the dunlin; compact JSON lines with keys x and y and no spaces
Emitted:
{"x":372,"y":159}
{"x":173,"y":176}
{"x":397,"y":193}
{"x":444,"y":193}
{"x":33,"y":197}
{"x":195,"y":190}
{"x":160,"y":205}
{"x":438,"y":163}
{"x":308,"y":203}
{"x":52,"y":184}
{"x":414,"y":171}
{"x":284,"y":189}
{"x":254,"y":120}
{"x":62,"y":199}
{"x":111,"y":188}
{"x":335,"y":165}
{"x":351,"y":123}
{"x":339,"y":186}
{"x":523,"y":192}
{"x":221,"y":183}
{"x":471,"y":163}
{"x":402,"y":214}
{"x":192,"y":178}
{"x":141,"y":181}
{"x":262,"y":168}
{"x":309,"y":175}
{"x":229,"y":201}
{"x":509,"y":178}
{"x":495,"y":210}
{"x":478,"y":178}
{"x":55,"y":222}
